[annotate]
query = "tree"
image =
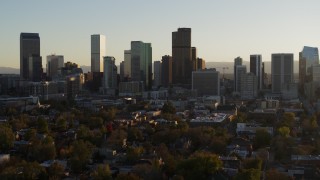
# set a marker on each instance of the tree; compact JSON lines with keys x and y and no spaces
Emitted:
{"x":81,"y":152}
{"x":288,"y":119}
{"x":6,"y":138}
{"x":56,"y":171}
{"x":61,"y":124}
{"x":129,"y":176}
{"x":169,"y":161}
{"x":248,"y":174}
{"x":200,"y":165}
{"x":284,"y":131}
{"x":262,"y":139}
{"x":41,"y":150}
{"x":134,"y":153}
{"x":95,"y":122}
{"x":42,"y":125}
{"x":275,"y":174}
{"x":102,"y":172}
{"x":168,"y":108}
{"x":134,"y":134}
{"x":24,"y":170}
{"x":252,"y":164}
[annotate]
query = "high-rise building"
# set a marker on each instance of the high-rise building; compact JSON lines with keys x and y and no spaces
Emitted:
{"x":249,"y":86}
{"x":206,"y":82}
{"x":281,"y":71}
{"x":109,"y":75}
{"x":240,"y":71}
{"x":54,"y":63}
{"x":182,"y":56}
{"x":236,"y":79}
{"x":98,"y":51}
{"x":29,"y":47}
{"x":308,"y":57}
{"x":127,"y":64}
{"x":141,"y":62}
{"x":194,"y":58}
{"x":166,"y":70}
{"x":256,"y":68}
{"x":121,"y":71}
{"x":157,"y":73}
{"x":201,"y":64}
{"x":35,"y":68}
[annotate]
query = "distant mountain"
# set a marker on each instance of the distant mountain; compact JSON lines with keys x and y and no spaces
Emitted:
{"x":219,"y":66}
{"x":9,"y":70}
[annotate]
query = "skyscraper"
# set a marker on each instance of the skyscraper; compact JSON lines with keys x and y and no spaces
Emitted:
{"x":35,"y":68}
{"x":141,"y":62}
{"x":98,"y":51}
{"x":308,"y":57}
{"x":182,"y":56}
{"x":109,"y":74}
{"x":166,"y":70}
{"x":241,"y":70}
{"x":201,"y":64}
{"x":249,"y":86}
{"x":157,"y":73}
{"x":29,"y":47}
{"x":54,"y":63}
{"x":256,"y":68}
{"x":127,"y":64}
{"x":281,"y":71}
{"x":206,"y":82}
{"x":237,"y":62}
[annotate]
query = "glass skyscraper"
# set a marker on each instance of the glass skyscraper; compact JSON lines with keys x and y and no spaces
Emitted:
{"x":309,"y":56}
{"x":29,"y":48}
{"x":141,"y":62}
{"x":98,"y":51}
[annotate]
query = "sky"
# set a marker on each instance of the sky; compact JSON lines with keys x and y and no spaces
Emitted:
{"x":221,"y":29}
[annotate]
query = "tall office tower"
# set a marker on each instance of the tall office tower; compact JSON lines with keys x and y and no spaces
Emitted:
{"x":281,"y":71}
{"x":194,"y":58}
{"x":54,"y":63}
{"x":201,"y":64}
{"x":127,"y":64}
{"x":182,"y":56}
{"x":157,"y":73}
{"x":206,"y":82}
{"x":109,"y":73}
{"x":35,"y":68}
{"x":98,"y":51}
{"x":308,"y":57}
{"x":241,"y":70}
{"x":237,"y":62}
{"x":166,"y":70}
{"x":29,"y":47}
{"x":256,"y":68}
{"x":264,"y":84}
{"x":141,"y":62}
{"x":249,"y":86}
{"x":122,"y":71}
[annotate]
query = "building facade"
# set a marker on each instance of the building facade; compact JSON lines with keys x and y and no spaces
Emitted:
{"x":237,"y":62}
{"x":206,"y":82}
{"x":166,"y":70}
{"x":54,"y":64}
{"x":141,"y":62}
{"x":256,"y":68}
{"x":35,"y":68}
{"x":182,"y":56}
{"x":281,"y":70}
{"x":308,"y":57}
{"x":29,"y":47}
{"x":127,"y":64}
{"x":240,"y":70}
{"x":249,"y":86}
{"x":157,"y":73}
{"x":109,"y":75}
{"x":201,"y":64}
{"x":98,"y":51}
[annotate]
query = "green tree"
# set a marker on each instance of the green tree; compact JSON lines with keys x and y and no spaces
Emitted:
{"x":6,"y":138}
{"x":81,"y":152}
{"x":24,"y":170}
{"x":201,"y":165}
{"x":42,"y":125}
{"x":275,"y":174}
{"x":248,"y":174}
{"x":168,"y":108}
{"x":133,"y":154}
{"x":102,"y":172}
{"x":134,"y":134}
{"x":284,"y":131}
{"x":288,"y":119}
{"x":56,"y":171}
{"x":262,"y":139}
{"x":129,"y":176}
{"x":252,"y":164}
{"x":61,"y":124}
{"x":95,"y":122}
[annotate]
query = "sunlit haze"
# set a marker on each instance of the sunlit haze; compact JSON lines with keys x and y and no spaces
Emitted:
{"x":221,"y":30}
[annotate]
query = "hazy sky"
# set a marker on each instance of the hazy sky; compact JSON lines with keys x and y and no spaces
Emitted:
{"x":221,"y":29}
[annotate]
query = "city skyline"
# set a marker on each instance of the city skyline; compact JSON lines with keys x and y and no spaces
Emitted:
{"x":221,"y":32}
